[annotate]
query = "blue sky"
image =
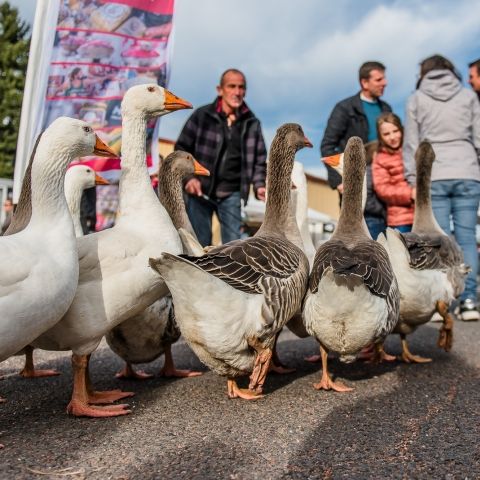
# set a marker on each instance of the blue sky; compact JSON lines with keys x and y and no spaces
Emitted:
{"x":302,"y":57}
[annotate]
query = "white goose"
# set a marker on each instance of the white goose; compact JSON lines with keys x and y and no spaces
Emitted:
{"x":146,"y":336}
{"x":39,"y":265}
{"x":428,"y":264}
{"x":114,"y":283}
{"x":356,"y":269}
{"x":231,"y":302}
{"x":301,"y":209}
{"x":77,"y":179}
{"x":298,"y":233}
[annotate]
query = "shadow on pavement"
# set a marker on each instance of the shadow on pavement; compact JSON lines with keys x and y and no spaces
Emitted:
{"x":425,"y":427}
{"x":402,"y":421}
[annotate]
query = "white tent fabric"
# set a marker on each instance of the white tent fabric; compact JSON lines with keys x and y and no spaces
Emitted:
{"x":31,"y":120}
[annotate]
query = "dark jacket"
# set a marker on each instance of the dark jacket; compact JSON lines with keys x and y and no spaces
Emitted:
{"x":349,"y":120}
{"x":203,"y":136}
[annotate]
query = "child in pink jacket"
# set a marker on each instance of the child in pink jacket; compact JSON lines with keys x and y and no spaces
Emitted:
{"x":388,"y":173}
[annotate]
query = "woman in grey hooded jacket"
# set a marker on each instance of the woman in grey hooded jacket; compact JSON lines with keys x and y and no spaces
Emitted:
{"x":448,"y":116}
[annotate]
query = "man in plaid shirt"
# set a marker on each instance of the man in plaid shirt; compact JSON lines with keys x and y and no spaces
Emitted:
{"x":225,"y":137}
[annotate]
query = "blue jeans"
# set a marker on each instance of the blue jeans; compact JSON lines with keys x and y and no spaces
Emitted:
{"x":403,"y":228}
{"x":458,"y":200}
{"x":376,"y":226}
{"x":228,"y":210}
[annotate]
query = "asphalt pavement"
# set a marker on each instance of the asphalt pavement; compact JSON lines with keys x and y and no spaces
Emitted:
{"x":401,"y":421}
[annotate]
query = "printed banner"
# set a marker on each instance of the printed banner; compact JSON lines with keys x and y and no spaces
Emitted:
{"x":101,"y":49}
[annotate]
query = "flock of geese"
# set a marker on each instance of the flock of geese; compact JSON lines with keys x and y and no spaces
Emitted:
{"x":147,"y":280}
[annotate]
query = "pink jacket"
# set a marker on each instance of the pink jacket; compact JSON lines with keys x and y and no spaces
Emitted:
{"x":391,"y":187}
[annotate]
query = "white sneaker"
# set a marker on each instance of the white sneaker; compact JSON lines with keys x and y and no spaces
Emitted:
{"x":469,"y":311}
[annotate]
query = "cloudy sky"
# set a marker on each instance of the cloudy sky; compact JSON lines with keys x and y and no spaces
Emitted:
{"x":302,"y":57}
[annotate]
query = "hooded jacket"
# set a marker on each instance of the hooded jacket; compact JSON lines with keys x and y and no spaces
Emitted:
{"x":448,"y":116}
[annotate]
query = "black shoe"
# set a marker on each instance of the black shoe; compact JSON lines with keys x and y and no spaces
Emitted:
{"x":469,"y":311}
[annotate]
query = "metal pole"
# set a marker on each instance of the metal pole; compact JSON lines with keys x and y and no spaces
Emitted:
{"x":33,"y":106}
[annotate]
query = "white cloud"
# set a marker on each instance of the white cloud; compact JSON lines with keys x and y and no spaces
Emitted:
{"x":302,"y":57}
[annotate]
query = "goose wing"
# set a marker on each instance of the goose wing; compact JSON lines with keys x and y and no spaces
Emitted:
{"x":17,"y":265}
{"x":367,"y":261}
{"x":273,"y":267}
{"x":431,"y":251}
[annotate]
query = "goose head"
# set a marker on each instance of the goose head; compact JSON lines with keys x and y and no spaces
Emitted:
{"x":73,"y":138}
{"x":151,"y":100}
{"x":63,"y":141}
{"x":78,"y":178}
{"x":287,"y":141}
{"x":83,"y":177}
{"x":293,"y":136}
{"x":182,"y":164}
{"x":173,"y":170}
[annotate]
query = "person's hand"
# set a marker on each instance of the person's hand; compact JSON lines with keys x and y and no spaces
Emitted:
{"x":413,"y":195}
{"x":194,"y":187}
{"x":261,"y":191}
{"x":340,"y":188}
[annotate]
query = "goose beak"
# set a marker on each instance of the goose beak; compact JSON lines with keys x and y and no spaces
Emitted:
{"x":102,"y":149}
{"x":333,"y":160}
{"x":200,"y":169}
{"x":99,"y":180}
{"x":172,"y":102}
{"x":307,"y":142}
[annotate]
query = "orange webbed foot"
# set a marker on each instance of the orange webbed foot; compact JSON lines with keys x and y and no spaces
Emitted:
{"x":103,"y":398}
{"x":235,"y":392}
{"x":32,"y":373}
{"x":128,"y":372}
{"x":327,"y":383}
{"x":173,"y":372}
{"x":80,"y":409}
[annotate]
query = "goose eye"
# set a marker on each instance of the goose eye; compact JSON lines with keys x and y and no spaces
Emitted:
{"x":151,"y":89}
{"x":88,"y":171}
{"x":87,"y":129}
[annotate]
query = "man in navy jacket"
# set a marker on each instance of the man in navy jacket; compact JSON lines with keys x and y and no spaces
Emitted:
{"x":356,"y":116}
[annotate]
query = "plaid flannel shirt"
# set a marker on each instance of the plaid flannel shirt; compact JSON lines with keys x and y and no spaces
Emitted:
{"x":203,"y":137}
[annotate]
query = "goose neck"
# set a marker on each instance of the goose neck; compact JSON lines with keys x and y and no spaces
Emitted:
{"x":47,"y":184}
{"x":423,"y":220}
{"x":351,"y":213}
{"x":279,"y":170}
{"x":135,"y":191}
{"x":171,"y":197}
{"x":73,"y":194}
{"x":292,"y":230}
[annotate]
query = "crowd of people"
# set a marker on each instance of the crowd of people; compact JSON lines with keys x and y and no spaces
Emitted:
{"x":226,"y":137}
{"x":441,"y":111}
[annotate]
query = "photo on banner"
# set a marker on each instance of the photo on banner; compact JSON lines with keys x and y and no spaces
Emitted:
{"x":101,"y":49}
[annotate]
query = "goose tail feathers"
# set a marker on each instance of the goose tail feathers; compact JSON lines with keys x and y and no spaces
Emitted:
{"x":165,"y":262}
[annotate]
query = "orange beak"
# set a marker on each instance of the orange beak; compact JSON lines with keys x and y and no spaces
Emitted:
{"x":102,"y":149}
{"x":99,"y":180}
{"x":172,"y":102}
{"x":200,"y":169}
{"x":308,"y":143}
{"x":332,"y":160}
